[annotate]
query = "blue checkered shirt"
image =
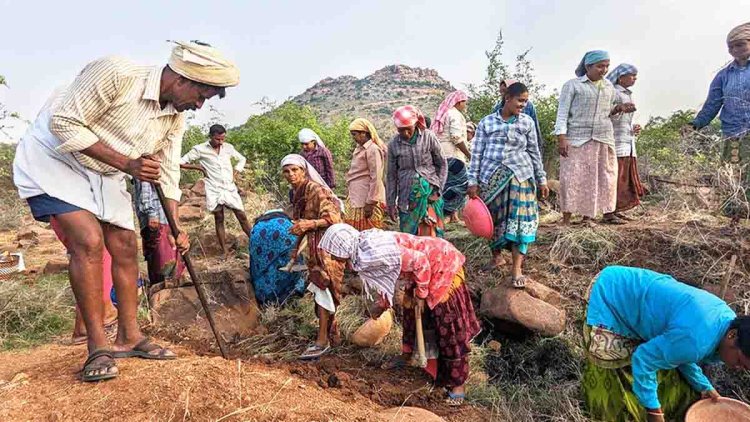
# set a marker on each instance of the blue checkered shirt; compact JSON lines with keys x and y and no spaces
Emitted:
{"x":730,"y":93}
{"x":512,"y":144}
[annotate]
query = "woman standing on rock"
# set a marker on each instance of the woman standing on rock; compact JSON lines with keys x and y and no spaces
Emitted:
{"x":416,"y":175}
{"x":314,"y":209}
{"x":528,"y":110}
{"x":364,"y":180}
{"x":588,"y":163}
{"x":629,"y":187}
{"x":432,"y":270}
{"x":646,"y":337}
{"x":506,"y":170}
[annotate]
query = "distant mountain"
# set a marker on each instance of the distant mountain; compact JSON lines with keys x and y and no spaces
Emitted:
{"x":377,"y":95}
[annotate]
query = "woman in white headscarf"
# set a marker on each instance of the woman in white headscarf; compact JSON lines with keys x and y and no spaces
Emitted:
{"x":314,"y":209}
{"x":432,"y":272}
{"x":318,"y":155}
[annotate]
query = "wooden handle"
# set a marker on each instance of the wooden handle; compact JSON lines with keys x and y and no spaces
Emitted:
{"x":727,"y":277}
{"x":421,"y":354}
{"x":202,"y":297}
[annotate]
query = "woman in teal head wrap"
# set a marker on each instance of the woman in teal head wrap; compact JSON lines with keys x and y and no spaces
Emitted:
{"x":588,"y":163}
{"x":590,"y":58}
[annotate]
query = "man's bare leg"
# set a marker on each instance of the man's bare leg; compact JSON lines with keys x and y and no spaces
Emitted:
{"x":85,"y":239}
{"x":244,"y":223}
{"x":221,"y":233}
{"x":122,"y":245}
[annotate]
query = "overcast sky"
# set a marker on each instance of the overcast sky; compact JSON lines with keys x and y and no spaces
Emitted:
{"x":284,"y":47}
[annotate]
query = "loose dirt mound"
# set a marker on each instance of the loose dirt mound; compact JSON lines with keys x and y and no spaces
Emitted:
{"x":207,"y":388}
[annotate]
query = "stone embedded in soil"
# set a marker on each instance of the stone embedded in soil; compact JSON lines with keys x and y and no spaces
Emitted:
{"x":408,"y":414}
{"x":208,"y":244}
{"x":199,"y":188}
{"x":518,"y":306}
{"x":334,"y":381}
{"x":233,"y":304}
{"x":188,"y":213}
{"x":56,"y":266}
{"x":31,"y":235}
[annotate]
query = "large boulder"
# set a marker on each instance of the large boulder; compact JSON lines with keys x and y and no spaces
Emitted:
{"x":231,"y":299}
{"x":542,"y":292}
{"x":408,"y":414}
{"x":521,"y":307}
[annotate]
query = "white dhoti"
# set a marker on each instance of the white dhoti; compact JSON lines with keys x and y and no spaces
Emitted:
{"x":225,"y":194}
{"x":39,"y":169}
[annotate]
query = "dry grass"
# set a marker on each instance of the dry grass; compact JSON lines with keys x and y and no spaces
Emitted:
{"x":584,"y":247}
{"x":679,"y":232}
{"x":33,"y":314}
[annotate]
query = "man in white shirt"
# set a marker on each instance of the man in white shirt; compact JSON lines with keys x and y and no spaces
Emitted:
{"x":215,"y":162}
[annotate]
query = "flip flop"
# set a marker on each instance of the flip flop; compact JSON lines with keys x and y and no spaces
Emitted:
{"x":519,"y":282}
{"x":143,"y":350}
{"x":90,"y":369}
{"x":613,"y":221}
{"x":314,"y":352}
{"x":624,"y":217}
{"x":455,"y":400}
{"x":396,"y":362}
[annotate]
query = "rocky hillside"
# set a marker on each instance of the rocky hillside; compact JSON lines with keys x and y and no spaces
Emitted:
{"x":377,"y":95}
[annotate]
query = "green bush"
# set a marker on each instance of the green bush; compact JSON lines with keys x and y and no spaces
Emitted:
{"x":194,"y":135}
{"x":265,"y":139}
{"x":664,"y":150}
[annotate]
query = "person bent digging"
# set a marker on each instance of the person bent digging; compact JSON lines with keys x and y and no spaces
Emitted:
{"x":115,"y":119}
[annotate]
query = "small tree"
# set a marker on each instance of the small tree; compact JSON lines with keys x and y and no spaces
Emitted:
{"x":482,"y":98}
{"x":266,"y":138}
{"x":6,"y":116}
{"x":664,"y":150}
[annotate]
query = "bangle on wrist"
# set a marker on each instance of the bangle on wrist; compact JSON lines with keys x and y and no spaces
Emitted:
{"x":655,"y":412}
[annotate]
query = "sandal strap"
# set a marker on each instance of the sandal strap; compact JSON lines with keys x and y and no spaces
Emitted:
{"x":90,"y":366}
{"x":519,"y":281}
{"x":147,"y":346}
{"x":140,"y":346}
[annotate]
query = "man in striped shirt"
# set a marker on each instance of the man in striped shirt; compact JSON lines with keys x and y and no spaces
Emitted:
{"x":115,"y":119}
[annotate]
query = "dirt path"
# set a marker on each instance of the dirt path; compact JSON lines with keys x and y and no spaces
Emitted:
{"x":198,"y":388}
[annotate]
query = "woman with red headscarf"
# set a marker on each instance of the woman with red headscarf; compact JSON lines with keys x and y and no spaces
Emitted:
{"x":416,"y":174}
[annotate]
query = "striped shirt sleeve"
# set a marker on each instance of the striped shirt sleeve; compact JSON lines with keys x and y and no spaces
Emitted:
{"x":170,"y":160}
{"x":87,"y":99}
{"x":563,"y":109}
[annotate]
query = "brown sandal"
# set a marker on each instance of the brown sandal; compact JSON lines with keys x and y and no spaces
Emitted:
{"x":101,"y":370}
{"x":143,"y":350}
{"x":519,"y":282}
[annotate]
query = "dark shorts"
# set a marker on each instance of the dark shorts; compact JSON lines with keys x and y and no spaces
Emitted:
{"x":44,"y":206}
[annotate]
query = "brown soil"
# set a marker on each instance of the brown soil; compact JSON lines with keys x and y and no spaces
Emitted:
{"x":209,"y":388}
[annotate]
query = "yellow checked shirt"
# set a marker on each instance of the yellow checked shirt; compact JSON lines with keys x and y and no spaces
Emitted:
{"x":117,"y":102}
